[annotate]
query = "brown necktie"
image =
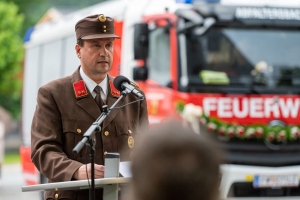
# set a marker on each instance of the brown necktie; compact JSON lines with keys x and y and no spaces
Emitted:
{"x":98,"y":98}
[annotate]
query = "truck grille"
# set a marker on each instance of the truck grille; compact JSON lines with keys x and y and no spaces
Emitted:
{"x":260,"y":153}
{"x":242,"y":189}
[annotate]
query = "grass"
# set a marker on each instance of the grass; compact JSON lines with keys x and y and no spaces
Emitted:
{"x":11,"y":158}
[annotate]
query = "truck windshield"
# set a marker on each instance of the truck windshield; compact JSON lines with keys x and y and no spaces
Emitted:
{"x":263,"y":55}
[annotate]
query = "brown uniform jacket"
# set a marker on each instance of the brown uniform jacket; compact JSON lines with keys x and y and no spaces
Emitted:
{"x":65,"y":110}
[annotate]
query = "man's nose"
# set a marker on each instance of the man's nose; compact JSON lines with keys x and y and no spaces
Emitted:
{"x":103,"y":51}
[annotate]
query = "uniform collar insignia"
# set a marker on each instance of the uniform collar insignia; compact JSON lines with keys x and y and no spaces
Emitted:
{"x":114,"y":91}
{"x":80,"y":89}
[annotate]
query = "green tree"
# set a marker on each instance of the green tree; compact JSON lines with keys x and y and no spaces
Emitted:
{"x":11,"y":56}
{"x":33,"y":10}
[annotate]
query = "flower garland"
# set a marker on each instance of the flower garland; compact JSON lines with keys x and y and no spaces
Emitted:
{"x":255,"y":131}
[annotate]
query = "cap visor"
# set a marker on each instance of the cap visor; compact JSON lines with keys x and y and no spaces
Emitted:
{"x":97,"y":36}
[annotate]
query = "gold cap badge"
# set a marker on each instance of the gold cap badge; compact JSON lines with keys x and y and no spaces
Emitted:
{"x":102,"y":18}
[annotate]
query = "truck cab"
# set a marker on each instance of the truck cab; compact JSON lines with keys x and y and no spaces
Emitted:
{"x":240,"y":65}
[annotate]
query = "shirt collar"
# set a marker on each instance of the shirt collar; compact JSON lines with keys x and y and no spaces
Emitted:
{"x":90,"y":84}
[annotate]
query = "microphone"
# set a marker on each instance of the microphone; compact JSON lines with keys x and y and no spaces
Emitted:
{"x":123,"y":84}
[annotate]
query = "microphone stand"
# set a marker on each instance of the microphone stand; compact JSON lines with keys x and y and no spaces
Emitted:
{"x":89,"y":139}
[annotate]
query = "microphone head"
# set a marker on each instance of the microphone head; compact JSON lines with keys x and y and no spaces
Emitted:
{"x":119,"y":80}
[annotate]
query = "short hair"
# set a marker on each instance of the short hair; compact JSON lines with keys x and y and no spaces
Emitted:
{"x":171,"y":162}
{"x":80,"y":42}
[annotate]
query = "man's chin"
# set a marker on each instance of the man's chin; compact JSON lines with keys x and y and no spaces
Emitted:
{"x":103,"y":70}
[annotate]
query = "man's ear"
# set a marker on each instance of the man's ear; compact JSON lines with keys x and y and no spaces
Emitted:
{"x":77,"y":49}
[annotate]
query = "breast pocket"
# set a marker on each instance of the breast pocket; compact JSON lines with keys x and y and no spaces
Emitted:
{"x":125,"y":139}
{"x":73,"y":131}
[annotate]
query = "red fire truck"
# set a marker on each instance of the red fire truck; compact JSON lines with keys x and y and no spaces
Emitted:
{"x":236,"y":61}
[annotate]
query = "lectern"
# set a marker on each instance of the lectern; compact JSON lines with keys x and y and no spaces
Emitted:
{"x":109,"y":183}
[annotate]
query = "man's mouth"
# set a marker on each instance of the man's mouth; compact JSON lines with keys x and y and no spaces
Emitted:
{"x":102,"y":62}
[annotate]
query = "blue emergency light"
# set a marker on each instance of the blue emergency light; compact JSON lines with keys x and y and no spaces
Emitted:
{"x":192,"y":1}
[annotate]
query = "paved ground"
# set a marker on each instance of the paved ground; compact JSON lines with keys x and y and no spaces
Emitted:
{"x":12,"y":180}
{"x":11,"y":184}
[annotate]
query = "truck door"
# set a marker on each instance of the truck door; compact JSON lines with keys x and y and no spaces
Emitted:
{"x":155,"y":48}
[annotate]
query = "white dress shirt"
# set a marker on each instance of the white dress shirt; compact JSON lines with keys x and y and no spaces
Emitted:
{"x":90,"y":84}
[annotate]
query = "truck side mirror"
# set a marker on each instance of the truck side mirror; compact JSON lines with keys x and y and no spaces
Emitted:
{"x":141,"y":41}
{"x":140,"y":73}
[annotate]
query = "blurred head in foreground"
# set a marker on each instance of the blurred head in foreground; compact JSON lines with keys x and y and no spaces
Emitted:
{"x":171,"y":162}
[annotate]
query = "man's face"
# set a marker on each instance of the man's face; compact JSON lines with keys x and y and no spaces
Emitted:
{"x":96,"y":57}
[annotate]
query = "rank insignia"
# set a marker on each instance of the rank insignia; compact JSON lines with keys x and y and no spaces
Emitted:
{"x":114,"y":91}
{"x":130,"y":142}
{"x":80,"y":89}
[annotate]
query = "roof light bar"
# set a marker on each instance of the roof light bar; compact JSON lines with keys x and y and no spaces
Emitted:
{"x":192,"y":1}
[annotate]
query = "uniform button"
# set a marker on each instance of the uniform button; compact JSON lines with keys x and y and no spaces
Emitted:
{"x":129,"y":131}
{"x":130,"y":142}
{"x":106,"y":133}
{"x":105,"y":152}
{"x":56,"y":196}
{"x":78,"y":130}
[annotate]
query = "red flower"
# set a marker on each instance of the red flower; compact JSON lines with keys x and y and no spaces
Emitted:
{"x":211,"y":126}
{"x":230,"y":131}
{"x":221,"y":131}
{"x":259,"y":132}
{"x":240,"y":131}
{"x":271,"y":136}
{"x":281,"y":136}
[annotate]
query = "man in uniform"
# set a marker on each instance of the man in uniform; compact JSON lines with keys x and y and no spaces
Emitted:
{"x":67,"y":107}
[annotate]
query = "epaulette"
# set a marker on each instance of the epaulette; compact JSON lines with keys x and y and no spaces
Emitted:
{"x":133,"y":83}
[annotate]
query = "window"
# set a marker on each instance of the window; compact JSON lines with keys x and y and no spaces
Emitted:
{"x":159,"y":56}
